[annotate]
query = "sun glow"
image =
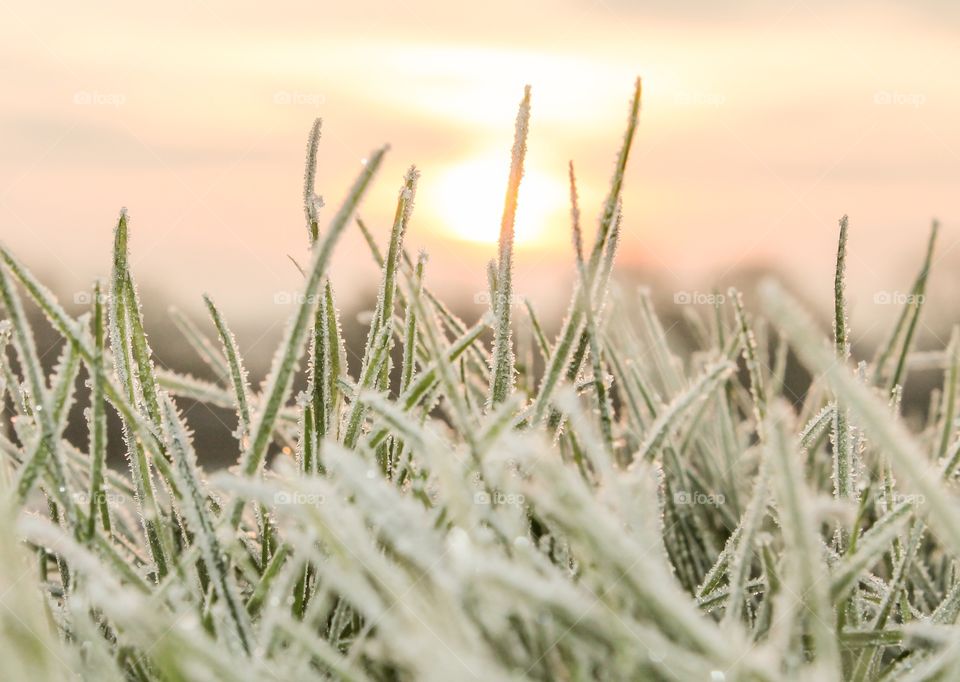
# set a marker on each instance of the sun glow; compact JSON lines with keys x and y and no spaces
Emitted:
{"x":470,"y":198}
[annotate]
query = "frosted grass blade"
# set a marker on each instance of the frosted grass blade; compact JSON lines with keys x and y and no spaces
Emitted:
{"x":502,"y":373}
{"x":237,"y":372}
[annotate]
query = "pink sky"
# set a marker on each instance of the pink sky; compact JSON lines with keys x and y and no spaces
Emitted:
{"x":761,"y":125}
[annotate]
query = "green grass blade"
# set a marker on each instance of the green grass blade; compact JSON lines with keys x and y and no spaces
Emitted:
{"x":237,"y":372}
{"x":97,"y":424}
{"x":802,"y":542}
{"x":201,"y":345}
{"x":502,"y":377}
{"x":907,"y":323}
{"x":123,"y":344}
{"x":843,"y":465}
{"x":201,"y":522}
{"x":279,"y":379}
{"x":41,"y":402}
{"x":375,"y":367}
{"x":950,"y":381}
{"x":596,"y":357}
{"x":712,"y":377}
{"x":410,"y":337}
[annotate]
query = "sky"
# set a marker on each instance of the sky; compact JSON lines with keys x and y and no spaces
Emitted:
{"x":761,"y":124}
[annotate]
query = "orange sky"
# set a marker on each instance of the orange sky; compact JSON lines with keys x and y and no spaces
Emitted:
{"x":762,"y":123}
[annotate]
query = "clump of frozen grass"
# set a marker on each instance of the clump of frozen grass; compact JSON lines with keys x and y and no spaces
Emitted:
{"x":623,"y":514}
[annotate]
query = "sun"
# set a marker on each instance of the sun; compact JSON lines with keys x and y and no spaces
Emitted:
{"x":470,"y":194}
